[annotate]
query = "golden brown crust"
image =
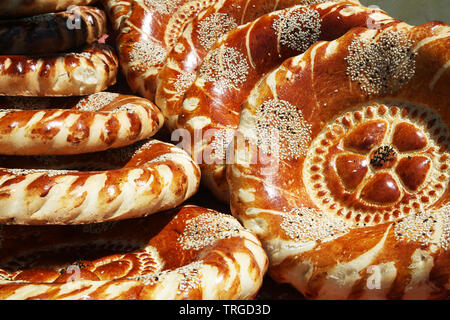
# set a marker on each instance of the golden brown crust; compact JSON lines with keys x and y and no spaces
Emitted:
{"x":157,"y":258}
{"x":11,"y":8}
{"x":118,"y":11}
{"x":378,"y":227}
{"x":71,"y":74}
{"x":93,"y":123}
{"x":238,"y":61}
{"x":143,"y":44}
{"x":147,"y":178}
{"x":52,"y":32}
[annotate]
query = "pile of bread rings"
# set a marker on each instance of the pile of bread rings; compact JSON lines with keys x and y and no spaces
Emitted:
{"x":321,"y":129}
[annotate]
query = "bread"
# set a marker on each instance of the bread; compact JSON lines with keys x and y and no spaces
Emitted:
{"x":118,"y":10}
{"x":92,"y":70}
{"x":177,"y":75}
{"x":17,"y":8}
{"x":154,"y":176}
{"x":148,"y":34}
{"x":341,"y":165}
{"x":239,"y":59}
{"x":149,"y":258}
{"x":97,"y":122}
{"x":52,"y":32}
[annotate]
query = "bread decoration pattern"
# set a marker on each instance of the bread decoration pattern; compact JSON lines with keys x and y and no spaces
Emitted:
{"x":155,"y":176}
{"x":199,"y":36}
{"x":96,"y":122}
{"x":148,"y":34}
{"x":238,"y":60}
{"x":17,"y":8}
{"x":188,"y":253}
{"x":62,"y":31}
{"x":352,"y":202}
{"x":70,"y":74}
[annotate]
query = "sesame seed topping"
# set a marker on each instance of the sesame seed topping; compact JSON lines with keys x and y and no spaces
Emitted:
{"x":213,"y":27}
{"x":224,"y":66}
{"x":279,"y":119}
{"x":205,"y":229}
{"x":222,"y":139}
{"x":162,"y":6}
{"x":184,"y":81}
{"x":145,"y":54}
{"x":422,"y":226}
{"x":298,"y":30}
{"x":309,"y":224}
{"x":49,"y":173}
{"x":96,"y":101}
{"x":381,"y":66}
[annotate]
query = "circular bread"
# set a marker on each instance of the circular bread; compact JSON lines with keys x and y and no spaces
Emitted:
{"x":14,"y":8}
{"x":147,"y":34}
{"x":341,"y":165}
{"x":70,"y":74}
{"x":239,"y":59}
{"x":188,"y":253}
{"x":198,"y":37}
{"x":96,"y":122}
{"x":157,"y":176}
{"x":52,"y":32}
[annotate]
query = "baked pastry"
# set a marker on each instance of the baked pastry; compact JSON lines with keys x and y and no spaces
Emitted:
{"x":341,"y":165}
{"x":70,"y":74}
{"x":58,"y":32}
{"x":237,"y":62}
{"x":17,"y":8}
{"x":96,"y":122}
{"x":188,"y":253}
{"x":118,"y":10}
{"x":151,"y":177}
{"x":198,"y":37}
{"x":146,"y":36}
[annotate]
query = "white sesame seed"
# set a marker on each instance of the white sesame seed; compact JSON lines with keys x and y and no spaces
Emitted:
{"x":213,"y":27}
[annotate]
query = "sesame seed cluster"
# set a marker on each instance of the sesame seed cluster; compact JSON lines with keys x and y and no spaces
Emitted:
{"x":281,"y":128}
{"x":204,"y":230}
{"x":308,"y":224}
{"x":298,"y":30}
{"x":97,"y":101}
{"x":145,"y":54}
{"x":225,"y":66}
{"x":183,"y":81}
{"x":383,"y":65}
{"x":213,"y":27}
{"x":162,"y":6}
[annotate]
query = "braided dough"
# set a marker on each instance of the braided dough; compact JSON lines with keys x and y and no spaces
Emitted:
{"x":118,"y":11}
{"x":147,"y":35}
{"x":237,"y":62}
{"x":10,"y":8}
{"x":70,"y":74}
{"x":351,"y":196}
{"x":57,"y":32}
{"x":199,"y":36}
{"x":158,"y":176}
{"x":188,"y":253}
{"x":95,"y":123}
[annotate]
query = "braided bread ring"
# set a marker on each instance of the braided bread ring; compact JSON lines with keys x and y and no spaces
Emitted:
{"x":158,"y":176}
{"x":71,"y":74}
{"x":198,"y":37}
{"x":118,"y":11}
{"x":238,"y":60}
{"x":143,"y":44}
{"x":35,"y":35}
{"x":15,"y":8}
{"x":356,"y":205}
{"x":97,"y":122}
{"x":157,"y":258}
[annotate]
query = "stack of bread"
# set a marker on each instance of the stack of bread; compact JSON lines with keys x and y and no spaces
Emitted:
{"x":321,"y":126}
